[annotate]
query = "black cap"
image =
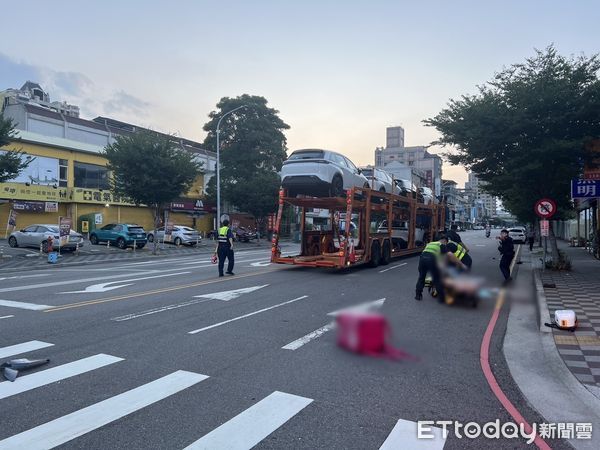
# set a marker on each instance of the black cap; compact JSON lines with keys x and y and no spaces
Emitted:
{"x":504,"y":230}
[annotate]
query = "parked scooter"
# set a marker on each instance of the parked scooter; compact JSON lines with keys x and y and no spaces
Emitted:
{"x":487,"y":233}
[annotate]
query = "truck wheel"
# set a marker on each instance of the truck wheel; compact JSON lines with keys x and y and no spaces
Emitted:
{"x":375,"y":254}
{"x":386,"y":255}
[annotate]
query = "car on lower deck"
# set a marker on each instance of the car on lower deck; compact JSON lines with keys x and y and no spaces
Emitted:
{"x":122,"y":235}
{"x":320,"y":173}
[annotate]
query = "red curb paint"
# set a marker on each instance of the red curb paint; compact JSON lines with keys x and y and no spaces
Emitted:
{"x":489,"y":376}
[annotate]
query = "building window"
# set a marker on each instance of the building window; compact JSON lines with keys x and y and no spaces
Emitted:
{"x":91,"y":176}
{"x":63,"y":167}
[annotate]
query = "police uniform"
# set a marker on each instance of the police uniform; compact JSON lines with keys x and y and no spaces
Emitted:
{"x":224,"y":250}
{"x":428,"y":262}
{"x":460,"y":252}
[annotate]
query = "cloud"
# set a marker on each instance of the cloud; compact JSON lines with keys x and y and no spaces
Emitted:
{"x":75,"y":88}
{"x":124,"y":103}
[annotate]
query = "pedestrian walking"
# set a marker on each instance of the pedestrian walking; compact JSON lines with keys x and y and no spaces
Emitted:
{"x":224,"y":248}
{"x":429,"y":261}
{"x":531,"y":238}
{"x":507,"y":250}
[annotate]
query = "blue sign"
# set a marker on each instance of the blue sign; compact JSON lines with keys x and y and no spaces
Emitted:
{"x":585,"y":188}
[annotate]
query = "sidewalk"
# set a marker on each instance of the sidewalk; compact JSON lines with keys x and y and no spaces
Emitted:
{"x":578,"y":290}
{"x":532,"y":354}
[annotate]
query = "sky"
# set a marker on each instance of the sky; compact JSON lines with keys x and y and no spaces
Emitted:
{"x":339,"y":72}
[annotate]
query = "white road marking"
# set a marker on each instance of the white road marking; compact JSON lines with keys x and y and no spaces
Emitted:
{"x":102,"y":287}
{"x":393,"y":267}
{"x":158,"y":310}
{"x":246,"y":315}
{"x":254,"y":424}
{"x":309,"y":337}
{"x":22,"y":305}
{"x":263,"y":263}
{"x":230,"y":295}
{"x":18,"y":277}
{"x":75,"y":281}
{"x":78,"y":423}
{"x":44,"y":377}
{"x":404,"y":435}
{"x":6,"y":317}
{"x":362,"y":307}
{"x":479,"y":245}
{"x":22,"y":348}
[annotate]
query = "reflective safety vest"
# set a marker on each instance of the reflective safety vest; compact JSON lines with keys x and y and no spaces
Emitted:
{"x":434,"y":248}
{"x":460,"y":250}
{"x":223,"y":235}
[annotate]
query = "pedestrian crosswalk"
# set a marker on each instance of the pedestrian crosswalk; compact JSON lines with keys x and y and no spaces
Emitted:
{"x":243,"y":431}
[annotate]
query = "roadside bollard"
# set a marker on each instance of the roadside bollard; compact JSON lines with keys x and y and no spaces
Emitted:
{"x":41,"y":249}
{"x":134,"y":245}
{"x":107,"y":244}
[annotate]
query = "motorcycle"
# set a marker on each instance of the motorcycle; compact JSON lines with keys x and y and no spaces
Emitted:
{"x":487,"y":233}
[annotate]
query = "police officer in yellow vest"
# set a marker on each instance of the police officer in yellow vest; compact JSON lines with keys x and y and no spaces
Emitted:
{"x":224,"y":248}
{"x":432,"y":256}
{"x":461,"y":253}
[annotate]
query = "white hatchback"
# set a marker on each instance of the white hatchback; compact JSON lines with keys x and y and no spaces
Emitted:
{"x":518,"y":235}
{"x":180,"y":235}
{"x":379,"y":179}
{"x":320,"y":173}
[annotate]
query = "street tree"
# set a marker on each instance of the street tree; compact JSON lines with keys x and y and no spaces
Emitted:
{"x":525,"y":132}
{"x":150,"y":169}
{"x":253,"y":148}
{"x":12,"y":162}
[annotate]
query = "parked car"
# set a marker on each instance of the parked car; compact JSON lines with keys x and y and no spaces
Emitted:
{"x":181,"y":235}
{"x":379,"y":180}
{"x":518,"y":235}
{"x":122,"y":235}
{"x":37,"y":234}
{"x":319,"y":173}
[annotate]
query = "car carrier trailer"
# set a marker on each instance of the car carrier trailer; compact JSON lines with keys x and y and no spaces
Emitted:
{"x":364,"y":227}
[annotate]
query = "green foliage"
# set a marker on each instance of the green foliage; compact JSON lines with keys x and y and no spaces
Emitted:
{"x":150,"y":168}
{"x":253,"y":148}
{"x":11,"y":161}
{"x":525,"y":131}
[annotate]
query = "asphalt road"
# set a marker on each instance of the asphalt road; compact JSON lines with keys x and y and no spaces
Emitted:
{"x":160,"y":354}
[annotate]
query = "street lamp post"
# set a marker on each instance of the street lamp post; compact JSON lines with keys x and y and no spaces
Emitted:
{"x":219,"y":164}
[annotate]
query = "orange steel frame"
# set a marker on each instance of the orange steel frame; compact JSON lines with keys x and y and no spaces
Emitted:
{"x":360,"y":200}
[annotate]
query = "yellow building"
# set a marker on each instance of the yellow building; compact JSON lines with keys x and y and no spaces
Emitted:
{"x":68,"y":176}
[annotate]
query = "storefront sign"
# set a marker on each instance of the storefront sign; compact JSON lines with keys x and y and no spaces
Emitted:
{"x":429,"y":178}
{"x":20,"y":191}
{"x":64,"y":225}
{"x":188,"y":206}
{"x":12,"y":218}
{"x":98,"y":219}
{"x":83,"y":195}
{"x":591,"y":170}
{"x":85,"y":226}
{"x":585,"y":188}
{"x":35,"y":207}
{"x":51,"y":207}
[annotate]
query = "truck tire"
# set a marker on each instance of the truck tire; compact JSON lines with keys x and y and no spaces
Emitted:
{"x":386,"y":254}
{"x":375,"y":254}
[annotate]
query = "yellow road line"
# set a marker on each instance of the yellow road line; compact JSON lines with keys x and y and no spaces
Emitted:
{"x":512,"y":264}
{"x":155,"y":291}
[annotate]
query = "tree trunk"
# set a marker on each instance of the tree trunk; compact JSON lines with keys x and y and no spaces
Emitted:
{"x":156,"y":225}
{"x":553,"y":245}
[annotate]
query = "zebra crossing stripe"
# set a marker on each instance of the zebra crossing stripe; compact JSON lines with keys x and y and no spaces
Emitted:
{"x":78,"y":423}
{"x":404,"y":435}
{"x":251,"y":426}
{"x":22,"y":348}
{"x":44,"y":377}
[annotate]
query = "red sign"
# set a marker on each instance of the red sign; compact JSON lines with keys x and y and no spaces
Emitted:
{"x":545,"y":227}
{"x":545,"y":208}
{"x":591,"y":170}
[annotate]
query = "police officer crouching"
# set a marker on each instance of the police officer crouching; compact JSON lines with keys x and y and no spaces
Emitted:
{"x":462,"y":254}
{"x":224,"y":248}
{"x":432,"y":256}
